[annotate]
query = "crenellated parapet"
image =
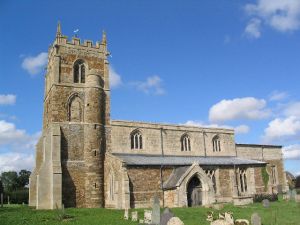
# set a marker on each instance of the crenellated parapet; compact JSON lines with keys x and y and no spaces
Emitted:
{"x":100,"y":46}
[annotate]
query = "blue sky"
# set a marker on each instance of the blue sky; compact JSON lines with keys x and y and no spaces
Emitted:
{"x":209,"y":63}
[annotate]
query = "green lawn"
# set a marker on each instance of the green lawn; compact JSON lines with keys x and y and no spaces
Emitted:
{"x":286,"y":213}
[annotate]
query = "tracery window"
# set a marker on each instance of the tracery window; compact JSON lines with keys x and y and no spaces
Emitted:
{"x":79,"y":71}
{"x":212,"y":175}
{"x":136,"y":140}
{"x":243,"y":180}
{"x":185,"y":143}
{"x":273,"y":174}
{"x":216,"y":144}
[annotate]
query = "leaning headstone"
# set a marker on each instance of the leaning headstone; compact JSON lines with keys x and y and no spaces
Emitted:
{"x":293,"y":196}
{"x":166,"y":216}
{"x":134,"y":216}
{"x":218,"y":206}
{"x":255,"y":219}
{"x":126,"y":214}
{"x":290,"y":194}
{"x":147,"y":216}
{"x":175,"y":221}
{"x":297,"y":198}
{"x":266,"y":203}
{"x":156,"y":211}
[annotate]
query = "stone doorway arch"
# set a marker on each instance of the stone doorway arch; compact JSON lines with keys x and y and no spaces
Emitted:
{"x":194,"y":192}
{"x":182,"y":185}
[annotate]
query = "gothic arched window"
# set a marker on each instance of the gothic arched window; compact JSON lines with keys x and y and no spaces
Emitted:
{"x":79,"y":71}
{"x":75,"y":109}
{"x":185,"y":143}
{"x":136,"y":140}
{"x":216,"y":144}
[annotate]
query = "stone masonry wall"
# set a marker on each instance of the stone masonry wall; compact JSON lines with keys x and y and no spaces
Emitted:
{"x":145,"y":184}
{"x":170,"y":137}
{"x":267,"y":153}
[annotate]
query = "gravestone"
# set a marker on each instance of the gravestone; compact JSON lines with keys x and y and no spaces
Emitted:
{"x":166,"y":216}
{"x":293,"y":195}
{"x":134,"y":216}
{"x":175,"y":221}
{"x":266,"y":203}
{"x":255,"y":219}
{"x":126,"y":214}
{"x":156,"y":211}
{"x":148,"y":216}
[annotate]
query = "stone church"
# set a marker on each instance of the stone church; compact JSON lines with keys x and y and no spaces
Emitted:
{"x":85,"y":159}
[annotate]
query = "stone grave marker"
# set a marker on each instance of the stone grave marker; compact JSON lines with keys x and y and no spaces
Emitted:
{"x":290,"y":194}
{"x":134,"y":216}
{"x":293,"y":195}
{"x":255,"y":219}
{"x":156,"y":211}
{"x":126,"y":214}
{"x":148,"y":216}
{"x":266,"y":203}
{"x":175,"y":221}
{"x":166,"y":216}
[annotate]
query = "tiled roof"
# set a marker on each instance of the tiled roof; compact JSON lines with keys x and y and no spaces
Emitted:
{"x":140,"y":160}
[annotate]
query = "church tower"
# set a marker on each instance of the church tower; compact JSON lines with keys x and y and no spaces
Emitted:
{"x":76,"y":126}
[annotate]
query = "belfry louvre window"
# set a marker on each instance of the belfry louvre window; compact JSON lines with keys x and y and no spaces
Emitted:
{"x":185,"y":143}
{"x":136,"y":140}
{"x":216,"y":144}
{"x":79,"y":71}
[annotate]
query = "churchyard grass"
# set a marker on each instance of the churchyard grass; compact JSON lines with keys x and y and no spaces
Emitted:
{"x":279,"y":213}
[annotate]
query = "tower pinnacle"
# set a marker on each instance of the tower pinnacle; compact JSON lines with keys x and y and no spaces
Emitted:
{"x":104,"y":42}
{"x":58,"y":30}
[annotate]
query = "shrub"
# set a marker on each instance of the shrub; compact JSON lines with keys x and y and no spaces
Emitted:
{"x":16,"y":197}
{"x":261,"y":197}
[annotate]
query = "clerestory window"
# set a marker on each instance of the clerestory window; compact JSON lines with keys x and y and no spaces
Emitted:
{"x":185,"y":143}
{"x":216,"y":144}
{"x":136,"y":140}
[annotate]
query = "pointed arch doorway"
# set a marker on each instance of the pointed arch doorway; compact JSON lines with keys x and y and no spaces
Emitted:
{"x":194,"y":192}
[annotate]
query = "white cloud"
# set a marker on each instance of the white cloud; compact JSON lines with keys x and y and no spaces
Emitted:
{"x":292,"y":109}
{"x":253,"y":28}
{"x":34,"y":65}
{"x":18,"y":139}
{"x":16,"y":161}
{"x":152,"y":85}
{"x":281,"y":15}
{"x":239,"y":108}
{"x":241,"y":129}
{"x":282,"y":129}
{"x":291,"y":152}
{"x":114,"y":78}
{"x":277,"y":96}
{"x":7,"y":99}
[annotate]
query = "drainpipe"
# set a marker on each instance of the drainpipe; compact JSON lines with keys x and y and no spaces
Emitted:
{"x":161,"y":166}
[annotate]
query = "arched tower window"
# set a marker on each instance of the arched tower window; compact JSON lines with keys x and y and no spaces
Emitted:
{"x":136,"y":140}
{"x":185,"y":143}
{"x":75,"y":109}
{"x":79,"y":71}
{"x":216,"y":144}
